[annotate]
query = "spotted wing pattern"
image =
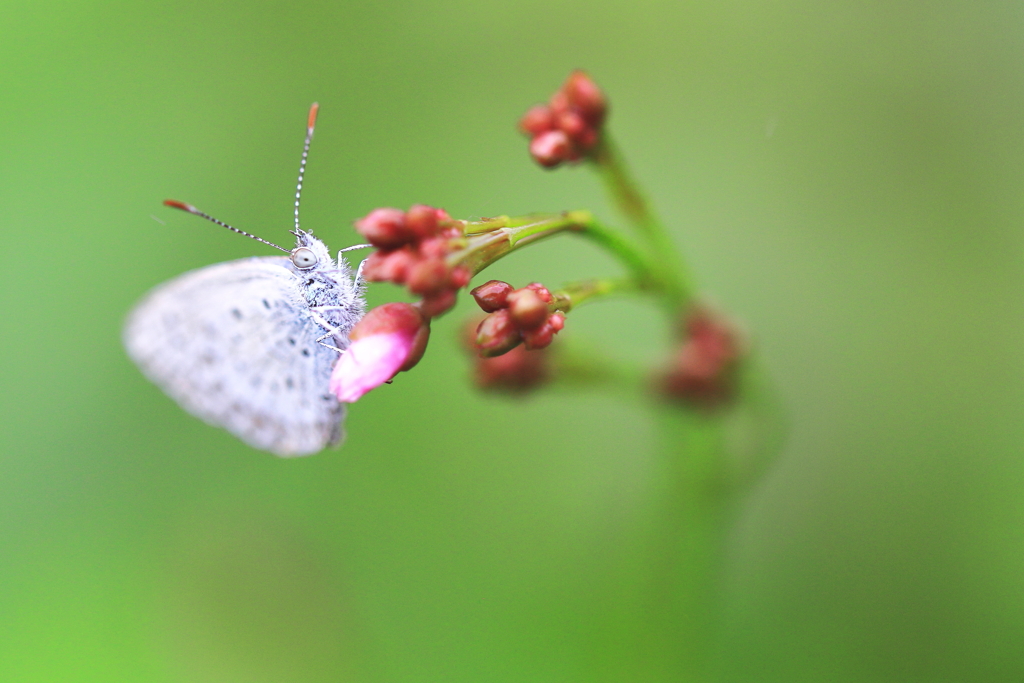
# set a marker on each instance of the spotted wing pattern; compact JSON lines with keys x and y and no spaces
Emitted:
{"x":235,"y":344}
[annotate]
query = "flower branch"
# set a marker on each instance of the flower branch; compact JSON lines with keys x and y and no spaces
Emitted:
{"x":626,"y":195}
{"x":575,"y":294}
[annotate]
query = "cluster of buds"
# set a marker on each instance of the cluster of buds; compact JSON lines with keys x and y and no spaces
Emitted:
{"x":517,"y":316}
{"x":568,"y":127}
{"x":516,"y":372}
{"x":412,"y":247}
{"x":702,"y":371}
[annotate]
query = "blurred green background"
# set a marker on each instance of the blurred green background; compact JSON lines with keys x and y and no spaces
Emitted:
{"x":847,"y":178}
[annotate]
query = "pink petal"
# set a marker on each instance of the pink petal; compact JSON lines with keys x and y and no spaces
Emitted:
{"x":369,"y":362}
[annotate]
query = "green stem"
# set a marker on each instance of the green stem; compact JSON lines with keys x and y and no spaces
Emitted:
{"x":577,"y":293}
{"x":489,"y":240}
{"x":690,"y":521}
{"x":630,"y":200}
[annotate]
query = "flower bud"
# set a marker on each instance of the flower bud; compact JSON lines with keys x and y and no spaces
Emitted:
{"x":422,"y":221}
{"x":492,"y":295}
{"x":572,"y":124}
{"x":527,"y":308}
{"x":585,"y":97}
{"x":559,"y":102}
{"x":551,"y":148}
{"x":537,"y":120}
{"x":542,"y":291}
{"x":459,"y":277}
{"x":429,"y":276}
{"x":539,"y":338}
{"x":517,"y":371}
{"x":497,"y":334}
{"x":389,"y":339}
{"x":385,"y":228}
{"x":435,"y":304}
{"x":435,"y":247}
{"x":703,"y":370}
{"x":389,"y":266}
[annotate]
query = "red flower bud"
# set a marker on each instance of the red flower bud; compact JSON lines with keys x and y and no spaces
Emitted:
{"x":551,"y":148}
{"x":389,"y":266}
{"x":559,"y":102}
{"x":435,"y":304}
{"x":435,"y":247}
{"x":572,"y":124}
{"x":497,"y":334}
{"x":703,"y":371}
{"x":584,"y":96}
{"x":385,"y":228}
{"x":429,"y":276}
{"x":539,"y":338}
{"x":527,"y":308}
{"x":537,"y":120}
{"x":460,"y":277}
{"x":542,"y":291}
{"x":492,"y":295}
{"x":517,"y":371}
{"x":422,"y":221}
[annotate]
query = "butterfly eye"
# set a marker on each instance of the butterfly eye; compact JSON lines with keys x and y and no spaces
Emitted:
{"x":303,"y":258}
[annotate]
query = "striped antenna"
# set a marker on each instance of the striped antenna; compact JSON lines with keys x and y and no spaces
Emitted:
{"x":310,"y":124}
{"x":191,"y":209}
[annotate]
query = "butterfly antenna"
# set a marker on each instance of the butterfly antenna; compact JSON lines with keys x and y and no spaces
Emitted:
{"x":191,"y":209}
{"x":310,"y":124}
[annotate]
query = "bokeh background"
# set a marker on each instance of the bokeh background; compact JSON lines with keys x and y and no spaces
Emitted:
{"x":847,"y":178}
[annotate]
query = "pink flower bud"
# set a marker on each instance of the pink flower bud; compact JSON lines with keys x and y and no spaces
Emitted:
{"x":539,"y":338}
{"x":551,"y":148}
{"x":492,"y":295}
{"x":517,"y":371}
{"x":460,"y":277}
{"x":559,"y":102}
{"x":703,"y":370}
{"x":434,"y":305}
{"x":585,"y":97}
{"x":537,"y":120}
{"x":385,"y":228}
{"x":572,"y":124}
{"x":528,"y":309}
{"x":542,"y":291}
{"x":429,"y":276}
{"x":390,"y":266}
{"x":422,"y":221}
{"x":557,"y":322}
{"x":497,"y":334}
{"x":389,"y":339}
{"x":435,"y":247}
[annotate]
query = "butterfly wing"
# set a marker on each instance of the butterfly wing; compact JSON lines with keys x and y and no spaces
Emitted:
{"x":235,"y":344}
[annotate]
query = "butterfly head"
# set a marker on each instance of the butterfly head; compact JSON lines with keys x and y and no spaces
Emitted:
{"x":309,"y":252}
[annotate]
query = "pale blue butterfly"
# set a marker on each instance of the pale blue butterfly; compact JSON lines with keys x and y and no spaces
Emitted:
{"x":248,"y":345}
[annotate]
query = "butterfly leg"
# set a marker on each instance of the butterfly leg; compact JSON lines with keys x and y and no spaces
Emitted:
{"x":331,"y":330}
{"x":360,"y":283}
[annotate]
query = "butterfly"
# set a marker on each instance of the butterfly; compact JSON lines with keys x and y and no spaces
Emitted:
{"x":249,"y":345}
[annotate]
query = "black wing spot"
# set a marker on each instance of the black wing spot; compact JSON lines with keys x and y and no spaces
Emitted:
{"x":290,"y":383}
{"x":237,"y":313}
{"x":305,"y":352}
{"x":266,"y":304}
{"x":291,"y":340}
